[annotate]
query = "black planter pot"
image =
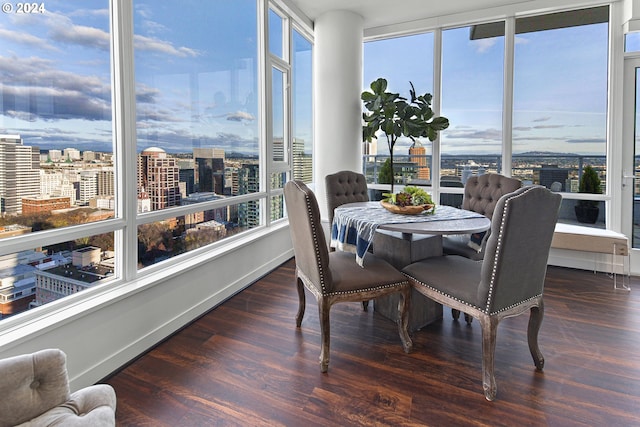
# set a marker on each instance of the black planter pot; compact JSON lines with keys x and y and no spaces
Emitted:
{"x":587,"y":214}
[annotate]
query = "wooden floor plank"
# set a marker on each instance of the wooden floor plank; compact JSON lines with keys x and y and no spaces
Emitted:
{"x":245,"y":363}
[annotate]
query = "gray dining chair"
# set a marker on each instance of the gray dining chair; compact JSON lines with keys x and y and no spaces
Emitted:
{"x":334,"y":277}
{"x":481,"y":194}
{"x":510,"y":279}
{"x":345,"y":187}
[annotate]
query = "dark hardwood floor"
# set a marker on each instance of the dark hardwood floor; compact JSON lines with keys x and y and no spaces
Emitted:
{"x":246,"y":364}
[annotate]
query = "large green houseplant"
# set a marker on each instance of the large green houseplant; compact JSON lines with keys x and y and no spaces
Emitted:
{"x":587,"y":211}
{"x":398,"y":116}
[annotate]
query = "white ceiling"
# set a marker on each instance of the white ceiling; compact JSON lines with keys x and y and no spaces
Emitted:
{"x":385,"y":12}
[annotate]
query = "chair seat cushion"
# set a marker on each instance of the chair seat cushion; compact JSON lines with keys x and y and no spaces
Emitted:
{"x":436,"y":274}
{"x":348,"y":276}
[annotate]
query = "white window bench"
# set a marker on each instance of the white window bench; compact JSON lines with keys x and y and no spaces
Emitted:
{"x":597,"y":240}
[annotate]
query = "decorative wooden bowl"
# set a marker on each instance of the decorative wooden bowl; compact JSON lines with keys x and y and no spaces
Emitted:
{"x":405,"y":210}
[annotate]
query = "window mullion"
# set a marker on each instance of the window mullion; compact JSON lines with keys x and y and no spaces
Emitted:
{"x":507,"y":95}
{"x":125,"y":135}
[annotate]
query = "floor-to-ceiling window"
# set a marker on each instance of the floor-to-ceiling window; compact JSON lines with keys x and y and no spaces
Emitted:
{"x":93,"y":176}
{"x":558,"y":64}
{"x":560,"y":103}
{"x":472,"y":92}
{"x":384,"y":59}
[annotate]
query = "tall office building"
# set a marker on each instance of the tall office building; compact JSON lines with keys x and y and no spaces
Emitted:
{"x":158,"y":178}
{"x":302,"y":162}
{"x":418,"y":155}
{"x":106,"y":182}
{"x":87,"y":187}
{"x":19,"y":173}
{"x":249,"y":182}
{"x":209,"y":163}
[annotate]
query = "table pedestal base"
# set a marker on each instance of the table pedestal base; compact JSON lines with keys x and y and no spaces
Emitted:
{"x":400,"y":250}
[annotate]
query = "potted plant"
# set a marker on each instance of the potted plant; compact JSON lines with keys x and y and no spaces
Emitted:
{"x":587,"y":211}
{"x":396,"y":116}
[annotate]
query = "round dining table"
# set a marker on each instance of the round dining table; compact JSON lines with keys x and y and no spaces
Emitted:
{"x":401,"y":240}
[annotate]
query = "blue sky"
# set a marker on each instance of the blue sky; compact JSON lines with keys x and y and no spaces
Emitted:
{"x":196,"y":85}
{"x":560,"y":88}
{"x":196,"y":71}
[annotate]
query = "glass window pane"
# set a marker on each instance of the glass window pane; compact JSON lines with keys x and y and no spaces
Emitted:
{"x":632,"y":42}
{"x":56,"y":142}
{"x":411,"y":167}
{"x":560,"y":105}
{"x":35,"y":277}
{"x":302,"y":109}
{"x":472,"y":92}
{"x":275,"y":34}
{"x":162,"y":240}
{"x":197,"y":103}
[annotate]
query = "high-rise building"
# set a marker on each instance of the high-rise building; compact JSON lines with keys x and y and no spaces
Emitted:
{"x":418,"y":155}
{"x":158,"y":177}
{"x":19,"y":173}
{"x":302,"y":162}
{"x":106,"y":182}
{"x":209,"y":164}
{"x":87,"y":187}
{"x":249,"y":182}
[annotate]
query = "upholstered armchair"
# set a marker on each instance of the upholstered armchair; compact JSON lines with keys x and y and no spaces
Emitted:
{"x":510,"y":279}
{"x":334,"y":277}
{"x":34,"y":390}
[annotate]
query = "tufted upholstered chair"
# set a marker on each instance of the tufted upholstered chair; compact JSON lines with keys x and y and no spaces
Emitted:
{"x":510,"y":279}
{"x":481,"y":193}
{"x":334,"y":277}
{"x":345,"y":187}
{"x":35,"y":391}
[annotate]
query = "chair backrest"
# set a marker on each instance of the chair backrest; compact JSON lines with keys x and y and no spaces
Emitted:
{"x":31,"y":384}
{"x":481,"y":193}
{"x":517,"y":250}
{"x":345,"y":187}
{"x":309,"y":243}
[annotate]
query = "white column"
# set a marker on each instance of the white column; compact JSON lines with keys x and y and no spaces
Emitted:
{"x":337,"y":107}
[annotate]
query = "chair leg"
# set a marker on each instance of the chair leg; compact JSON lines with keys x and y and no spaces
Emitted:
{"x":403,"y":320}
{"x":455,"y":314}
{"x":301,"y":303}
{"x":468,"y":319}
{"x":365,"y":305}
{"x":535,"y":320}
{"x":325,"y":333}
{"x":489,"y":330}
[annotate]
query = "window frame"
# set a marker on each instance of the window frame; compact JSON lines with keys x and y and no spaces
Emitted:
{"x":127,"y":276}
{"x":509,"y":15}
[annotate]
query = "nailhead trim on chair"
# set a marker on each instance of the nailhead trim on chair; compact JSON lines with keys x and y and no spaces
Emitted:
{"x":442,"y":293}
{"x":466,"y":303}
{"x":314,"y":232}
{"x":498,"y":246}
{"x":390,"y":285}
